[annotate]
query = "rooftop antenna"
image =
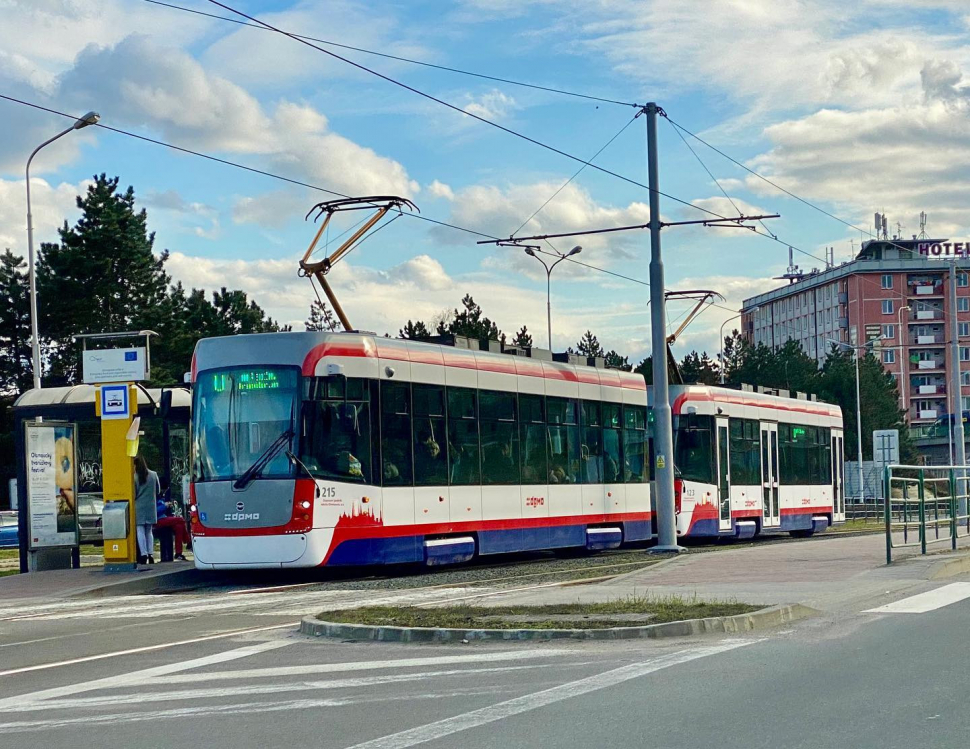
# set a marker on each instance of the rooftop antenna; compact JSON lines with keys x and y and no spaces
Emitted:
{"x":885,"y":227}
{"x":922,"y":225}
{"x":899,"y":231}
{"x":793,"y":273}
{"x":878,"y":222}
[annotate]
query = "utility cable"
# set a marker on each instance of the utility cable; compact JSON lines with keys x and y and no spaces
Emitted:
{"x":458,"y":109}
{"x":408,"y":60}
{"x":576,"y":174}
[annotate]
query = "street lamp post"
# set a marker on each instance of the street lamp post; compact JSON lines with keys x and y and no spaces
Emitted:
{"x":531,"y":252}
{"x":903,"y":364}
{"x":90,"y":118}
{"x":721,"y":355}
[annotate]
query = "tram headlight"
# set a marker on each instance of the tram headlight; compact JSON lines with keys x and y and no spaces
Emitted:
{"x":305,"y":504}
{"x":193,"y":508}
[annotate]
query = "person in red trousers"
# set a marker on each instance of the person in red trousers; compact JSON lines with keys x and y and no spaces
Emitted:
{"x":168,"y":519}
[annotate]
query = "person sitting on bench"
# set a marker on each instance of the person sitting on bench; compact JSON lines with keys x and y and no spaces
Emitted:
{"x":169,"y":520}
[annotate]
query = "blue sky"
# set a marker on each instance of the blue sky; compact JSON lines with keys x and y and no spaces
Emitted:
{"x":857,"y":107}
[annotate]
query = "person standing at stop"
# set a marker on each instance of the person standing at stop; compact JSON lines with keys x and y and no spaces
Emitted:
{"x":147,"y":488}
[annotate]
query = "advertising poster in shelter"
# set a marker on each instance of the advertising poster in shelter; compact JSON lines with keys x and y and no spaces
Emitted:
{"x":51,"y":485}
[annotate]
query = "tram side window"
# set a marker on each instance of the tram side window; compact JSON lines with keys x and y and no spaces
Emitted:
{"x":635,"y":444}
{"x":694,"y":448}
{"x":824,"y":475}
{"x":797,"y":446}
{"x":396,"y":433}
{"x":563,"y":434}
{"x":612,"y":440}
{"x":336,"y":428}
{"x":745,"y":446}
{"x":532,"y":438}
{"x":500,"y":438}
{"x":430,"y":444}
{"x":591,"y":449}
{"x":464,"y":466}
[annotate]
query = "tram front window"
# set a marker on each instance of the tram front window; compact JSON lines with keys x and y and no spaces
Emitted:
{"x":694,"y":448}
{"x":239,"y":417}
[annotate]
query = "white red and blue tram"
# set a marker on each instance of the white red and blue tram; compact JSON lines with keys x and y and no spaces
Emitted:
{"x":334,"y":449}
{"x":750,"y":463}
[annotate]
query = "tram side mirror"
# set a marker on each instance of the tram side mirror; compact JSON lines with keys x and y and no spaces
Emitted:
{"x":165,"y":404}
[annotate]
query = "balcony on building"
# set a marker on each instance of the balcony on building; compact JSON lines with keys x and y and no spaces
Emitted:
{"x":925,"y":285}
{"x":928,"y":364}
{"x":928,"y":339}
{"x":926,"y":313}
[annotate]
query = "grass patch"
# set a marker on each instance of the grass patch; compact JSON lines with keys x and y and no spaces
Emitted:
{"x":624,"y":612}
{"x":86,"y":549}
{"x":856,"y":526}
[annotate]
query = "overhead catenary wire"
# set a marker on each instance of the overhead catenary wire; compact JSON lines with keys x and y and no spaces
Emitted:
{"x":410,"y":61}
{"x":458,"y":109}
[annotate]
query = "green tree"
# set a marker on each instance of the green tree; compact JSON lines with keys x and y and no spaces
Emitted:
{"x":470,"y":322}
{"x":699,"y":368}
{"x":589,"y":345}
{"x":645,"y":368}
{"x":615,"y":361}
{"x":523,"y":339}
{"x":321,"y":318}
{"x":15,"y":355}
{"x":415,"y":331}
{"x":102,"y":276}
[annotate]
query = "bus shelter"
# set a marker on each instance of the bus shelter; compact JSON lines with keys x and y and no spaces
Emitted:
{"x":164,"y":444}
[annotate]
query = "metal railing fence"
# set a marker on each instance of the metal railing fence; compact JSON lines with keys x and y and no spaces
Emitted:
{"x":926,"y":505}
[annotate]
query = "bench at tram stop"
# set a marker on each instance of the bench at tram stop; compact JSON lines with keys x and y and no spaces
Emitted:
{"x":166,"y":543}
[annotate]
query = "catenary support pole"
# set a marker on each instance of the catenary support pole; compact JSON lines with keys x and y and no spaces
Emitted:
{"x":858,"y":426}
{"x":957,"y":411}
{"x":663,"y":428}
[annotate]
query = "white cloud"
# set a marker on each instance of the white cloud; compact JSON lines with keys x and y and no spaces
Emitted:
{"x":273,"y":209}
{"x":441,"y":190}
{"x":144,"y":84}
{"x":50,"y":207}
{"x":492,"y":105}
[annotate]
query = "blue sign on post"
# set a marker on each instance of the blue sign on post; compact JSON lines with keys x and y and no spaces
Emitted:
{"x":114,"y":401}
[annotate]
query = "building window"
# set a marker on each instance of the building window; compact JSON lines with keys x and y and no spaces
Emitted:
{"x":966,"y":403}
{"x":965,"y":378}
{"x":889,"y":356}
{"x":963,"y":329}
{"x":887,"y":281}
{"x":962,"y":279}
{"x":965,"y":353}
{"x":887,"y":306}
{"x":888,"y":331}
{"x":963,"y":304}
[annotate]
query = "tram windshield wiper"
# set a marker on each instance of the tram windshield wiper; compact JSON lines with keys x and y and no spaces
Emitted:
{"x":264,"y":460}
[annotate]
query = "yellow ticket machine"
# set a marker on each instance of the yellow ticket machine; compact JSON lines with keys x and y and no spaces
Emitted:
{"x":116,"y":405}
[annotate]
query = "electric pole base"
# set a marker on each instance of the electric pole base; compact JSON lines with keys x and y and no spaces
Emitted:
{"x":675,"y":549}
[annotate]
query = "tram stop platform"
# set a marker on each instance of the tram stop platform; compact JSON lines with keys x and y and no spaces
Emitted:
{"x":93,"y":582}
{"x":838,"y":573}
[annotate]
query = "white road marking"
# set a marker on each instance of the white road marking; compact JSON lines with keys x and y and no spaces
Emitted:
{"x":190,"y":711}
{"x":145,"y":649}
{"x":463,"y":722}
{"x":194,"y":695}
{"x":929,"y":601}
{"x":136,"y":677}
{"x":333,"y":668}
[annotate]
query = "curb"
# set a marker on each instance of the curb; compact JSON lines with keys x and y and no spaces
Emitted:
{"x":951,"y":567}
{"x":762,"y":619}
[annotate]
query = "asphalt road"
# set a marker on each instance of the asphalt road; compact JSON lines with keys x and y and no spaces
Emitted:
{"x":169,"y":671}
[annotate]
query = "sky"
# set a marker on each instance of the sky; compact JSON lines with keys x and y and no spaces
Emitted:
{"x":854,"y":107}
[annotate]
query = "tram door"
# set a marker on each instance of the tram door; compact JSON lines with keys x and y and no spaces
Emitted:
{"x":723,"y":476}
{"x":769,"y":476}
{"x":838,"y":477}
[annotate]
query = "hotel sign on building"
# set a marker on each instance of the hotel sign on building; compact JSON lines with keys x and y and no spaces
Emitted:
{"x":943,"y":249}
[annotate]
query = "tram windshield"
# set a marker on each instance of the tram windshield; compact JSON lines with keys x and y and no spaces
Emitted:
{"x":694,"y":448}
{"x":238,"y":415}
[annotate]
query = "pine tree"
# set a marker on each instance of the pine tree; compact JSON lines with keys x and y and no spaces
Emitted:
{"x":415,"y":331}
{"x":589,"y":345}
{"x":615,"y":361}
{"x":15,"y":354}
{"x":321,"y":318}
{"x":102,"y":277}
{"x":523,"y":339}
{"x":470,"y":322}
{"x":700,"y":369}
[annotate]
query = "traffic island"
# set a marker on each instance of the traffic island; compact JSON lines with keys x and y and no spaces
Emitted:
{"x":628,"y":618}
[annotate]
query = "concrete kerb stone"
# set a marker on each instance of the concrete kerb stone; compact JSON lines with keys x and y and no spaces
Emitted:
{"x":766,"y":618}
{"x":951,"y":567}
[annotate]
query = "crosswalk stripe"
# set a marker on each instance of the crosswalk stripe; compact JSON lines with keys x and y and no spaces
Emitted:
{"x":924,"y":602}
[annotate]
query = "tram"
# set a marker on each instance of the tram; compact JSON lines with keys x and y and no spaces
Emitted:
{"x":749,"y":463}
{"x":314,"y":449}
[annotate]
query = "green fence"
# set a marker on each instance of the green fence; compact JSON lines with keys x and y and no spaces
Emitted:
{"x":926,"y":505}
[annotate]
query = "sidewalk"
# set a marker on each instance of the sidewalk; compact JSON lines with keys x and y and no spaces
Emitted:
{"x":93,"y":582}
{"x":830,"y":574}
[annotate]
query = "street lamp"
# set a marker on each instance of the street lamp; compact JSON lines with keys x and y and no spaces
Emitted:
{"x":91,"y":118}
{"x":903,"y":364}
{"x":531,"y":251}
{"x":721,"y":355}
